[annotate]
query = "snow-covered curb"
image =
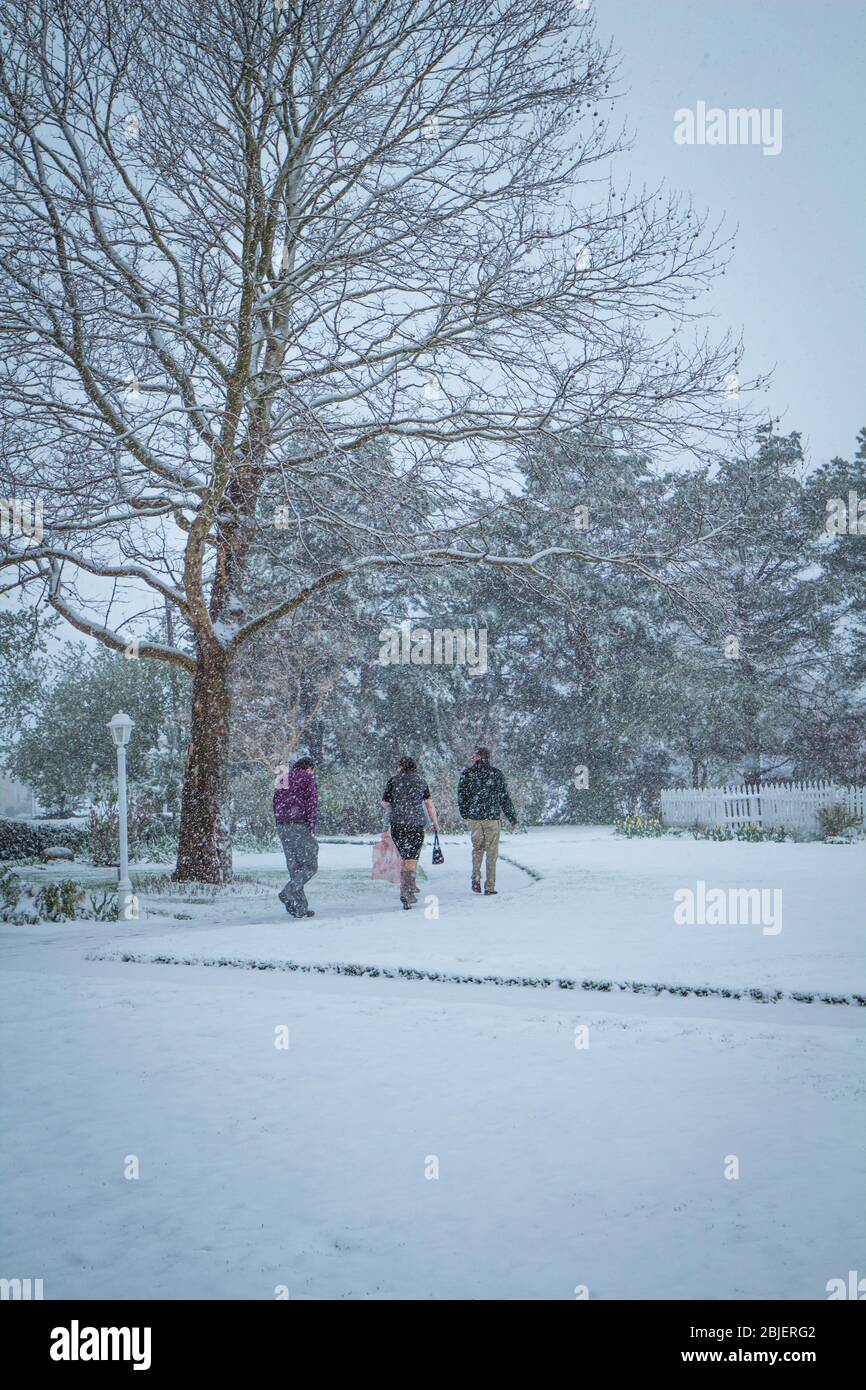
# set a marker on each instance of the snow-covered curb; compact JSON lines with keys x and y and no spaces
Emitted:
{"x":761,"y":996}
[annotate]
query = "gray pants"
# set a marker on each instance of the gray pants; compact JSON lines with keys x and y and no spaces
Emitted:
{"x":302,"y":861}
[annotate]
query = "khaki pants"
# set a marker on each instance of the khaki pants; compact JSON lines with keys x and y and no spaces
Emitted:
{"x":485,"y":840}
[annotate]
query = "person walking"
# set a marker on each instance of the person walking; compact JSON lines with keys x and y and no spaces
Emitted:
{"x":482,"y":799}
{"x":405,"y":799}
{"x":296,"y":804}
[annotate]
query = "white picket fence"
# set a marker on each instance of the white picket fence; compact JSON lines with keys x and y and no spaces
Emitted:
{"x":794,"y":805}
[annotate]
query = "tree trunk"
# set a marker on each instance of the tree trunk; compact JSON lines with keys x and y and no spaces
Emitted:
{"x":204,"y":850}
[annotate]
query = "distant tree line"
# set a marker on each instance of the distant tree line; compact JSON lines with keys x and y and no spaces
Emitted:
{"x":746,"y":662}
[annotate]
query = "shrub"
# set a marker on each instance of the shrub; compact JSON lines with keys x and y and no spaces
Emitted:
{"x":102,"y":833}
{"x":752,"y":834}
{"x":715,"y":832}
{"x":757,"y":834}
{"x":637,"y":825}
{"x":158,"y":844}
{"x":17,"y":905}
{"x":10,"y":888}
{"x":24,"y":841}
{"x":63,"y":901}
{"x":104,"y":908}
{"x":60,"y":902}
{"x":148,"y":834}
{"x":836,"y":820}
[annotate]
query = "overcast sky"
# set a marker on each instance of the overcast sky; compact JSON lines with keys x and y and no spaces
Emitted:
{"x":797,"y":286}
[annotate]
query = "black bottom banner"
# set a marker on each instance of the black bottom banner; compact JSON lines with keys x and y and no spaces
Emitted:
{"x":157,"y":1338}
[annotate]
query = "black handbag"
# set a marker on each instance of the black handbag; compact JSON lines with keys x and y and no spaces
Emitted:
{"x":438,"y":856}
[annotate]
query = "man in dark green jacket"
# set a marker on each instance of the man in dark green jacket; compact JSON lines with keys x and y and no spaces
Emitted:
{"x":482,"y":798}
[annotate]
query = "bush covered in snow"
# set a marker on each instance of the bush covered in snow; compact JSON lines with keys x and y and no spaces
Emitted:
{"x":838,"y":823}
{"x":148,"y":834}
{"x":24,"y":841}
{"x":65,"y":901}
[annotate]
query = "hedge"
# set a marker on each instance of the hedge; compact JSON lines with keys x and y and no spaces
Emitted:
{"x":21,"y":841}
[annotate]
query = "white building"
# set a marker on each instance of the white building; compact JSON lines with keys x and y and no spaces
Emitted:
{"x":15,"y":798}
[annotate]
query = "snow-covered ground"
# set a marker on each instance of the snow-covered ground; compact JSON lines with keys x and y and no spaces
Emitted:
{"x":602,"y":910}
{"x":582,"y":1138}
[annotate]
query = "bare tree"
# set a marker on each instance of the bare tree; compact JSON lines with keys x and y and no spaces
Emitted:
{"x":282,"y":679}
{"x":298,"y":277}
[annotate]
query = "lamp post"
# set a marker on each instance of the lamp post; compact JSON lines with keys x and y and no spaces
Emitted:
{"x":121,"y":727}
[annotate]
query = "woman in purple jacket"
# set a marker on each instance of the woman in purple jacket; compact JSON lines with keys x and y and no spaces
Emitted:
{"x":296,"y":804}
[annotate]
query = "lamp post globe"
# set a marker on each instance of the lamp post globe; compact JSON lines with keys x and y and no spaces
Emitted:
{"x":121,"y":727}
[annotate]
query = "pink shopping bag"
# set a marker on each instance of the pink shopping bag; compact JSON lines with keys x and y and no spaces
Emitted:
{"x":386,"y":860}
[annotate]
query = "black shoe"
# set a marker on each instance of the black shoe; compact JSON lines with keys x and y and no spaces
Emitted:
{"x":309,"y":913}
{"x":490,"y":892}
{"x":406,"y":904}
{"x":476,"y":885}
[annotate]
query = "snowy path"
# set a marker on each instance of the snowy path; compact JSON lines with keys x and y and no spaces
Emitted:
{"x":559,"y":1166}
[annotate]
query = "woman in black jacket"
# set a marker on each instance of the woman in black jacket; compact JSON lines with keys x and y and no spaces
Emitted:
{"x":406,"y":798}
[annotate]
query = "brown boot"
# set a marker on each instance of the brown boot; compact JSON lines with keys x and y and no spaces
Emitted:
{"x":406,"y":888}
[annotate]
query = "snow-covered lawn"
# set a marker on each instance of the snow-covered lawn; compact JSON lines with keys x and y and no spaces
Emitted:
{"x":602,"y":911}
{"x":559,"y":1165}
